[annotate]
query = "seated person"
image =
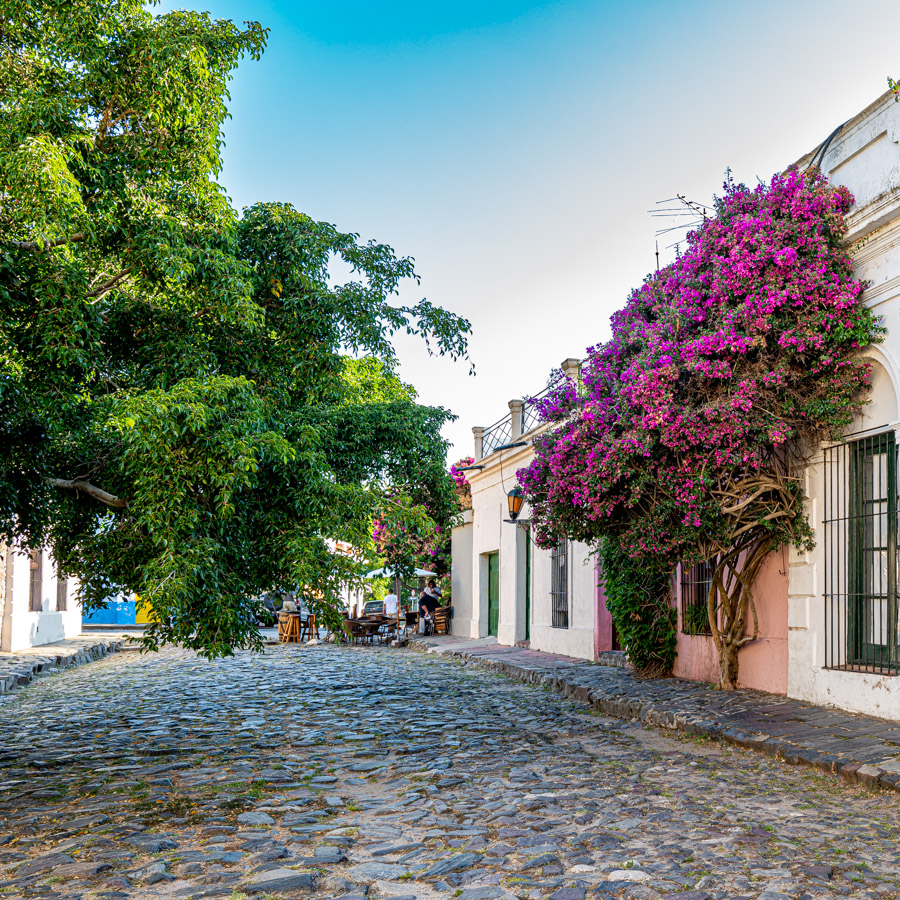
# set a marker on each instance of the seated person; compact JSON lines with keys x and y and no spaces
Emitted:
{"x":428,"y":603}
{"x":289,"y":606}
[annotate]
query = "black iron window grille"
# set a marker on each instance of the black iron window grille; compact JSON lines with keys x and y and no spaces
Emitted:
{"x":861,"y":556}
{"x":696,"y":583}
{"x":559,"y":584}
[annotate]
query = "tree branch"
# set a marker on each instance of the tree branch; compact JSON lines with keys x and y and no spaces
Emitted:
{"x":85,"y":487}
{"x":46,"y":245}
{"x":109,"y":285}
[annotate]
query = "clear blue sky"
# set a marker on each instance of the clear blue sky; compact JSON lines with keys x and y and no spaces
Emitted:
{"x":514,"y":149}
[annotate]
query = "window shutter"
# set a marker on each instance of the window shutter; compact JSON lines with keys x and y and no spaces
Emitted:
{"x":36,"y":564}
{"x":62,"y":594}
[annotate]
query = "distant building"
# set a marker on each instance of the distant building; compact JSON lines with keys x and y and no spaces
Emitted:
{"x":36,"y":606}
{"x":503,"y":585}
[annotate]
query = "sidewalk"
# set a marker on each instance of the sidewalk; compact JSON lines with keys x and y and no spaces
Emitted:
{"x":19,"y":668}
{"x":859,"y":748}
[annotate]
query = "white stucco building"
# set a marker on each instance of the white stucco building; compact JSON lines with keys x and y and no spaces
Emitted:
{"x":843,"y":597}
{"x":36,"y":606}
{"x":503,"y":584}
{"x":830,"y":618}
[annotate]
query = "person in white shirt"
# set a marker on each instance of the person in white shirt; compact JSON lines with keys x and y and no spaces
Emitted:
{"x":391,"y":605}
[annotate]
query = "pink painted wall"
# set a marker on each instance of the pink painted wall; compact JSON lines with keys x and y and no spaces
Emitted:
{"x":764,"y":663}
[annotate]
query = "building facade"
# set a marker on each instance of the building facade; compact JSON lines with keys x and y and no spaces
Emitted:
{"x":36,"y":605}
{"x":503,"y":584}
{"x":830,"y":618}
{"x":829,"y":629}
{"x":843,"y":596}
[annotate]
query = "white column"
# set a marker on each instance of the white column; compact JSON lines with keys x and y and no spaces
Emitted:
{"x":515,"y":413}
{"x":572,"y":369}
{"x":478,"y":432}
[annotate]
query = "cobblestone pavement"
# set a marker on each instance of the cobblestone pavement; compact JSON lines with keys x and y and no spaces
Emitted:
{"x":341,"y":772}
{"x":858,"y":748}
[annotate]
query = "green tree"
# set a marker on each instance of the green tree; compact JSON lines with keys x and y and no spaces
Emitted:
{"x":190,"y":407}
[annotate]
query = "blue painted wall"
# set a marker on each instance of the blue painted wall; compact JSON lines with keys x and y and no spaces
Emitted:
{"x":120,"y":612}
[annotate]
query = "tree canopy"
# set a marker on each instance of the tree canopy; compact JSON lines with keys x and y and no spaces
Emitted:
{"x":191,"y":407}
{"x":687,"y":439}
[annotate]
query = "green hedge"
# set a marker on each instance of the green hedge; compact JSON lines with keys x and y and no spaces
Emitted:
{"x":637,"y":597}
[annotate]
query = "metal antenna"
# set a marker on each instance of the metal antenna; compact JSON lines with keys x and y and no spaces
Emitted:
{"x":683,"y":209}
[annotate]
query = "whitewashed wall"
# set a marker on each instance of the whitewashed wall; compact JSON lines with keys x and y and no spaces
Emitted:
{"x":21,"y":627}
{"x":487,"y":532}
{"x":866,"y":158}
{"x":463,"y":622}
{"x":578,"y":638}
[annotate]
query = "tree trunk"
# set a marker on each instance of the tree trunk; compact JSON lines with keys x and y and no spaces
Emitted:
{"x":728,"y":666}
{"x":730,"y":599}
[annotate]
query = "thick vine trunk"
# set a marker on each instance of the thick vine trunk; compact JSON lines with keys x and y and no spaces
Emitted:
{"x":760,"y":510}
{"x":728,"y":666}
{"x":730,"y":600}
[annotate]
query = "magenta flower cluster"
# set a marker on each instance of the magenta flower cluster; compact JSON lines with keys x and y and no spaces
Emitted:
{"x":402,"y":538}
{"x":463,"y":490}
{"x":747,"y":342}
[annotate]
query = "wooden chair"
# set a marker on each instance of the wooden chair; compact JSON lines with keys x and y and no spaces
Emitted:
{"x":308,"y":629}
{"x":412,"y":621}
{"x":288,"y":627}
{"x":359,"y":630}
{"x":441,"y":619}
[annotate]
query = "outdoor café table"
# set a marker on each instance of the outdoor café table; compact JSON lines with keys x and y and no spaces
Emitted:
{"x":363,"y":629}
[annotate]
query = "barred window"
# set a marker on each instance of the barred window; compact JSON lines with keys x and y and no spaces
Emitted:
{"x":861,"y":550}
{"x":696,"y":583}
{"x":559,"y":584}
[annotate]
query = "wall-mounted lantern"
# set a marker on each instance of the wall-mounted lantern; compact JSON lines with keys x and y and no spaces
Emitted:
{"x":515,"y":498}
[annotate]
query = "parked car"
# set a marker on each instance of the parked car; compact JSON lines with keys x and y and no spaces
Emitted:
{"x":372,"y":606}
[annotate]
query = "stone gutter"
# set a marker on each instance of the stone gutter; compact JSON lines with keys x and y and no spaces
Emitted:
{"x":20,"y":668}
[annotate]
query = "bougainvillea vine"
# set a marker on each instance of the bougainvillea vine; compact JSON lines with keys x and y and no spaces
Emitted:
{"x":687,"y":437}
{"x":416,"y":532}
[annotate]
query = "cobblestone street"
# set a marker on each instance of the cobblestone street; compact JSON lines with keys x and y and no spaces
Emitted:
{"x":344,"y":772}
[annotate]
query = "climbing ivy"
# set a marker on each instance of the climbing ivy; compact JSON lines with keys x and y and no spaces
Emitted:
{"x":637,"y":597}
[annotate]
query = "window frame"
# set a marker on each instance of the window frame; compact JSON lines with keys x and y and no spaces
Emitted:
{"x":861,"y":547}
{"x":62,"y":593}
{"x":696,"y":583}
{"x":559,"y":584}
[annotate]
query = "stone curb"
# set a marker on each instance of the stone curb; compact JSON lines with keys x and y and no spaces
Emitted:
{"x":622,"y":706}
{"x":19,"y":669}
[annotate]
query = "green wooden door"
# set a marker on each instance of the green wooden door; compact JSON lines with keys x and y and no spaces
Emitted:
{"x":527,"y":584}
{"x":493,"y":593}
